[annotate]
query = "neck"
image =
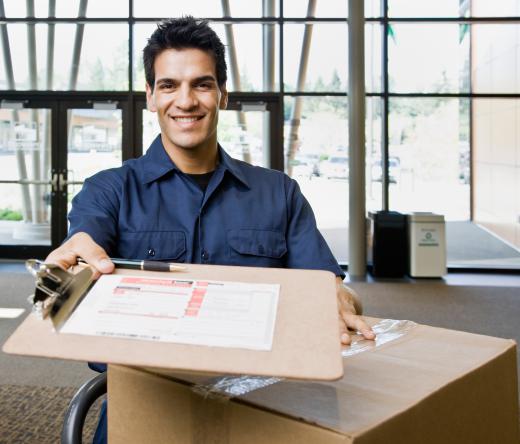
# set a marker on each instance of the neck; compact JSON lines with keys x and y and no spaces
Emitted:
{"x":198,"y":160}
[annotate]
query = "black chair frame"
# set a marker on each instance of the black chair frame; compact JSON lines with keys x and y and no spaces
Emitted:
{"x":74,"y":420}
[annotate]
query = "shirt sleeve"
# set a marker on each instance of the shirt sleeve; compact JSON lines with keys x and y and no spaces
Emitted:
{"x":95,"y":210}
{"x":306,"y":247}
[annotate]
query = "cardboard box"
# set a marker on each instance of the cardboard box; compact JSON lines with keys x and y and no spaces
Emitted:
{"x":430,"y":386}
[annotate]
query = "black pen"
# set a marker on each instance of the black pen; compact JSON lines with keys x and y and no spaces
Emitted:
{"x":144,"y":265}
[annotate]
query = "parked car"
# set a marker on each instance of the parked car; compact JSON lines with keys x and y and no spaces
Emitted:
{"x":335,"y":167}
{"x":394,"y":169}
{"x":313,"y":160}
{"x":301,"y":168}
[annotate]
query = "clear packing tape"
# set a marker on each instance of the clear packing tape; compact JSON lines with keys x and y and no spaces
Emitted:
{"x":226,"y":387}
{"x":386,"y":330}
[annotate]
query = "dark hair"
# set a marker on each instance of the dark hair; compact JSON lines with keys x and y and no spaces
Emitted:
{"x":182,"y":33}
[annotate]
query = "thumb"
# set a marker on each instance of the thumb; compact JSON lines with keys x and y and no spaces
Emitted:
{"x":93,"y":254}
{"x":104,"y":264}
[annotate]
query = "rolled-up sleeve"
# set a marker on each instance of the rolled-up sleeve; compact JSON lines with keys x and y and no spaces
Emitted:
{"x":95,"y":210}
{"x":306,"y":246}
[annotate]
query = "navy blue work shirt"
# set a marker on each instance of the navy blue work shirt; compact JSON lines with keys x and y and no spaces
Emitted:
{"x":248,"y":215}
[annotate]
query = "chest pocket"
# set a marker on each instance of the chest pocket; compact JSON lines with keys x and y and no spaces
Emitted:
{"x":262,"y":248}
{"x":153,"y":245}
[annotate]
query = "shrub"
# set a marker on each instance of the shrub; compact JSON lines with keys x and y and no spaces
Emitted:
{"x":8,"y":214}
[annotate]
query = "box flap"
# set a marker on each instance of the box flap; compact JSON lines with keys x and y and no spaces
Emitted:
{"x":388,"y":380}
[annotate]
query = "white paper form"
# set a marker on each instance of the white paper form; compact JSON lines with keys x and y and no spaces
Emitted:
{"x":201,"y":312}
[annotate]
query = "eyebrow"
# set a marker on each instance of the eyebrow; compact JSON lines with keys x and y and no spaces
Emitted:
{"x":205,"y":79}
{"x":196,"y":80}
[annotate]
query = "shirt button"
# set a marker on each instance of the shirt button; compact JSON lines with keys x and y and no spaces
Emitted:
{"x":205,"y":255}
{"x":151,"y":252}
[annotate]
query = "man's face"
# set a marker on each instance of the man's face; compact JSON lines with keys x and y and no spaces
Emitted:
{"x":187,"y":99}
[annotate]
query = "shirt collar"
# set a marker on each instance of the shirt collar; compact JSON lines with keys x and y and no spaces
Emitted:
{"x":233,"y":166}
{"x":157,"y":163}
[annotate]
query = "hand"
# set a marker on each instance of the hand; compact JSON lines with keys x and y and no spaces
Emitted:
{"x":83,"y":246}
{"x":349,"y":307}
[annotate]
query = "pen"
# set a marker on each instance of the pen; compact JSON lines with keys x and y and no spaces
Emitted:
{"x":145,"y":265}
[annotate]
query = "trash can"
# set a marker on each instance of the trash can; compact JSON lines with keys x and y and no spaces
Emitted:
{"x":427,"y":243}
{"x":387,"y":244}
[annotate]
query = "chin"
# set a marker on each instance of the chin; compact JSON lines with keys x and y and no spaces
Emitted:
{"x":188,"y":144}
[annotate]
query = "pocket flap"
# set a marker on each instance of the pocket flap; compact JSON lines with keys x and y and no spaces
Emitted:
{"x":152,"y":245}
{"x":258,"y":242}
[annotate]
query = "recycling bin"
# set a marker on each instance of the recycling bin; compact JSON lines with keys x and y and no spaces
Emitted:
{"x":427,"y":245}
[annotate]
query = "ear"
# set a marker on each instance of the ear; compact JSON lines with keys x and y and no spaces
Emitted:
{"x":150,"y":102}
{"x":223,"y":98}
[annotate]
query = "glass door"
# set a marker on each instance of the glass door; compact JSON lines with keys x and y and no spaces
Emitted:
{"x":48,"y":147}
{"x":26,"y":180}
{"x":93,"y":141}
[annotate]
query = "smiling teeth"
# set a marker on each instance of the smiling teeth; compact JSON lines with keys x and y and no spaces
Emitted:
{"x":186,"y":119}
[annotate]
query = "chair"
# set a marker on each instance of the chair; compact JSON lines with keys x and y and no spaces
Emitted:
{"x":72,"y":430}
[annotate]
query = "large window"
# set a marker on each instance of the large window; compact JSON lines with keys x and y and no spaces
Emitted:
{"x":437,"y":75}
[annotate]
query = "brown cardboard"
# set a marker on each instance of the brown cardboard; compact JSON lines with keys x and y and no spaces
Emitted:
{"x":306,"y":343}
{"x":430,"y":386}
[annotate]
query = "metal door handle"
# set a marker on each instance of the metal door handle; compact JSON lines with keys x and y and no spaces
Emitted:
{"x":64,"y":182}
{"x":55,"y":182}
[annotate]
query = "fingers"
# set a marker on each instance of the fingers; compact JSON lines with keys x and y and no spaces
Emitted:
{"x":63,"y":258}
{"x":357,"y":323}
{"x":81,"y":245}
{"x":343,"y":332}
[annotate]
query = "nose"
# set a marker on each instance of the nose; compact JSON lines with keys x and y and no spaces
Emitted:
{"x":185,"y":98}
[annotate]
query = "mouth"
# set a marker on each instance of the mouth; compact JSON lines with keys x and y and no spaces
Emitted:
{"x":187,"y":119}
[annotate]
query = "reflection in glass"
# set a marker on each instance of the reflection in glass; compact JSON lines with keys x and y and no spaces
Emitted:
{"x":199,"y":8}
{"x":94,"y":140}
{"x":25,"y":175}
{"x":495,"y":63}
{"x":329,"y":8}
{"x":373,"y":164}
{"x":429,"y":156}
{"x":105,"y":66}
{"x":320,"y":161}
{"x":247,"y":42}
{"x":486,"y":8}
{"x":496,"y":172}
{"x":437,"y":8}
{"x":101,"y":67}
{"x":245,"y":135}
{"x":68,"y":8}
{"x":328,"y":58}
{"x":428,"y":58}
{"x":151,"y":129}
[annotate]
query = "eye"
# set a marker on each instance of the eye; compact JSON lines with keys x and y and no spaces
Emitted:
{"x":205,"y":85}
{"x":166,"y":85}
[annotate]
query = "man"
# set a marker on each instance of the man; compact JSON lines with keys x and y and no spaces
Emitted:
{"x":186,"y":200}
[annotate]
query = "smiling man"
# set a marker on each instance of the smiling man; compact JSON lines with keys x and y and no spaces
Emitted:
{"x":187,"y":200}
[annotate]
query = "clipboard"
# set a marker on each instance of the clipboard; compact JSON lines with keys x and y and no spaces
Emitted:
{"x":306,"y":342}
{"x":58,"y":292}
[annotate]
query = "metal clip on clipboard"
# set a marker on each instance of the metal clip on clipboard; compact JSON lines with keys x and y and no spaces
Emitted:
{"x":58,"y":292}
